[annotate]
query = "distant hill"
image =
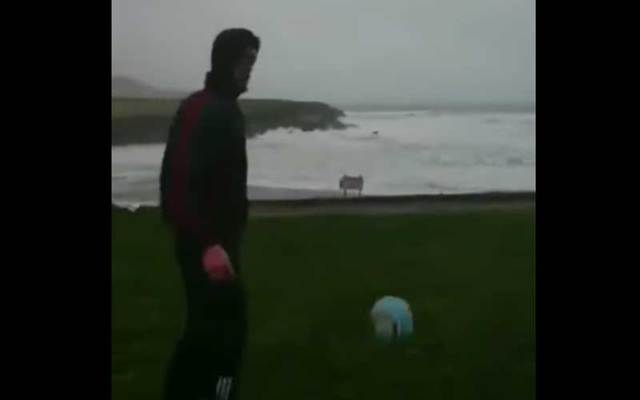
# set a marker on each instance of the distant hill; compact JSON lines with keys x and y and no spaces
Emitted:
{"x":144,"y":120}
{"x":125,"y":87}
{"x":442,"y":106}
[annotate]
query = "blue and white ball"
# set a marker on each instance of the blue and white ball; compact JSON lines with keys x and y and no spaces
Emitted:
{"x":392,"y":318}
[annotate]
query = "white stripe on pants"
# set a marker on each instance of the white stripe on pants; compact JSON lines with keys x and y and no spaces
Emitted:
{"x":223,"y":388}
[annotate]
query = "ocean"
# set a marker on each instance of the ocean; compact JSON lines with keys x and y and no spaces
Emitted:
{"x":396,"y":153}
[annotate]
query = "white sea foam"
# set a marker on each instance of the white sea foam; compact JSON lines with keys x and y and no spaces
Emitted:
{"x":413,"y":152}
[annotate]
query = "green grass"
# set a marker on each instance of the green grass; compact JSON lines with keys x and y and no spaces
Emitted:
{"x":468,"y":277}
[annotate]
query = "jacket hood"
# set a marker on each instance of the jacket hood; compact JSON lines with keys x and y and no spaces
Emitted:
{"x":226,"y":51}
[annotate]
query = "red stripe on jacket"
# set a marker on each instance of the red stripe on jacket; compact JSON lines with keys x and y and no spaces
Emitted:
{"x":177,"y":202}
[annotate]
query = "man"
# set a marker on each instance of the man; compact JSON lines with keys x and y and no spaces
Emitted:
{"x":203,"y":187}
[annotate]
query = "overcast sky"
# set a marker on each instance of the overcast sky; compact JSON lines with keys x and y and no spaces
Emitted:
{"x":339,"y":51}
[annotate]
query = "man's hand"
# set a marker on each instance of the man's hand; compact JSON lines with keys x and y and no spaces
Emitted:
{"x":217,"y":265}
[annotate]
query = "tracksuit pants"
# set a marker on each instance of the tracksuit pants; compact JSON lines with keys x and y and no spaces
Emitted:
{"x":208,"y":356}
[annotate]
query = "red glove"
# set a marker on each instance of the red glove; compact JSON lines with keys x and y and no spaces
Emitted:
{"x":217,"y":265}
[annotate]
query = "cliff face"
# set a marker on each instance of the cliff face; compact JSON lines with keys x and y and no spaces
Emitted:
{"x":263,"y":115}
{"x":138,"y":121}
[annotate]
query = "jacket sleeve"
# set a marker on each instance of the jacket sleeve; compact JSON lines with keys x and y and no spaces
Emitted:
{"x":208,"y":176}
{"x":165,"y":169}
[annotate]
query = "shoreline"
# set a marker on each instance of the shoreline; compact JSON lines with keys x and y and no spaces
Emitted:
{"x":148,"y":196}
{"x":372,"y":205}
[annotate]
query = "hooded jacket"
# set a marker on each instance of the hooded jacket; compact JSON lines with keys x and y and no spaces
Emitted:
{"x":203,"y":179}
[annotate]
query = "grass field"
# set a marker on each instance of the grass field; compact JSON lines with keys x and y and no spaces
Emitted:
{"x":469,"y":278}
